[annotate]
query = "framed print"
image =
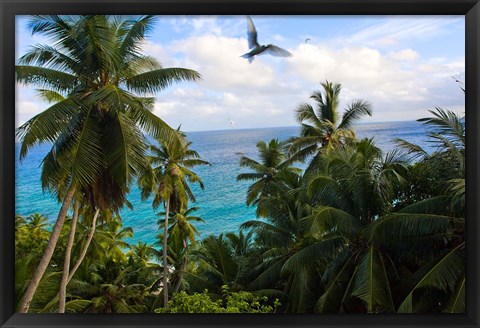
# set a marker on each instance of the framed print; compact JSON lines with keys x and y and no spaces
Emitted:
{"x":259,"y":163}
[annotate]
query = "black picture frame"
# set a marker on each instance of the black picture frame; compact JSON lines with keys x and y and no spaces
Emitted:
{"x":10,"y":8}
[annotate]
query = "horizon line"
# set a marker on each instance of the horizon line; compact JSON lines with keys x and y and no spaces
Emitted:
{"x":288,"y":126}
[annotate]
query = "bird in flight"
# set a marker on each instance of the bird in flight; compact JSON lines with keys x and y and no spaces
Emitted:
{"x":257,"y":49}
{"x":460,"y":83}
{"x":232,"y":123}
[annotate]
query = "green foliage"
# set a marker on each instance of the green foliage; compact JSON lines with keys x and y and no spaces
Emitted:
{"x":96,"y":79}
{"x":268,"y":174}
{"x":231,"y":302}
{"x":31,"y":236}
{"x":321,"y":127}
{"x":358,"y":231}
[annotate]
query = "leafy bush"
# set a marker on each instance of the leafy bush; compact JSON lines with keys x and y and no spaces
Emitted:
{"x":231,"y":302}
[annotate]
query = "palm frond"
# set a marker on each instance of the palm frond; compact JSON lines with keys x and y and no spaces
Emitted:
{"x":136,"y":32}
{"x":331,"y":299}
{"x":47,"y":126}
{"x":313,"y":253}
{"x":46,"y":78}
{"x":124,"y":149}
{"x":414,"y":150}
{"x":50,"y":96}
{"x":306,"y":113}
{"x":327,"y":219}
{"x":407,"y":226}
{"x":447,"y":123}
{"x":77,"y":306}
{"x":457,"y":300}
{"x":356,"y":110}
{"x":49,"y":57}
{"x":371,"y":283}
{"x":443,"y":273}
{"x":158,"y":80}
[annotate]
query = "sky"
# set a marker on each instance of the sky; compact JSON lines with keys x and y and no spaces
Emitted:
{"x":403,"y":65}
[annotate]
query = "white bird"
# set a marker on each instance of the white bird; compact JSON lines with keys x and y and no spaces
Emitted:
{"x":232,"y":123}
{"x":256,"y":49}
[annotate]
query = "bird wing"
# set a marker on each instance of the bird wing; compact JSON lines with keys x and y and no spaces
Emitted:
{"x":276,"y":51}
{"x":251,"y":34}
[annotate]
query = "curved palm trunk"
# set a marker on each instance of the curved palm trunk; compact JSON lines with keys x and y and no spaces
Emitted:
{"x":66,"y":262}
{"x":47,"y":255}
{"x":83,"y":253}
{"x":179,"y":282}
{"x":180,"y":276}
{"x":85,"y":247}
{"x":165,"y":264}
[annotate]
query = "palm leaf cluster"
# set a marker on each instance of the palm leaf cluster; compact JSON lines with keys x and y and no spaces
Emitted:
{"x":115,"y":277}
{"x":356,"y":231}
{"x":341,"y":237}
{"x":100,"y":85}
{"x":99,"y":82}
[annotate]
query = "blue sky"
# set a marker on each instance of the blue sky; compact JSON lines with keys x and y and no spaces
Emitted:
{"x":402,"y":64}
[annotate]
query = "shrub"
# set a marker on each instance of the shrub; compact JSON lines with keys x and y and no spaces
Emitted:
{"x":231,"y":302}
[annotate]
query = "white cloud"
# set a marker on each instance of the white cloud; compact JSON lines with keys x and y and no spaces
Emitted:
{"x":383,"y":32}
{"x":401,"y":84}
{"x":192,"y":25}
{"x":157,"y":51}
{"x":372,"y":64}
{"x":393,"y":88}
{"x":218,"y":59}
{"x":404,"y":55}
{"x":26,"y":109}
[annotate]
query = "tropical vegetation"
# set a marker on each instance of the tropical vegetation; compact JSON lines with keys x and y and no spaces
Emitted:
{"x":340,"y":227}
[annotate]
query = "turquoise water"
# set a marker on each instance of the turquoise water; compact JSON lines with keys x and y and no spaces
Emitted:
{"x":222,"y":203}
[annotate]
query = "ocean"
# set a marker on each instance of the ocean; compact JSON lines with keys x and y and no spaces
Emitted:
{"x":222,"y":202}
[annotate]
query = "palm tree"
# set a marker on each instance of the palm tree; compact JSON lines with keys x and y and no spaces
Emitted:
{"x":66,"y":263}
{"x":141,"y":254}
{"x":447,"y":134}
{"x":111,"y":282}
{"x":181,"y":233}
{"x":181,"y":226}
{"x":20,"y":229}
{"x":38,"y":224}
{"x":92,"y":72}
{"x":143,"y":270}
{"x":321,"y":127}
{"x":267,"y":174}
{"x":432,"y":262}
{"x":168,"y":178}
{"x":31,"y":236}
{"x":352,"y":190}
{"x":221,"y":260}
{"x":438,"y":220}
{"x":384,"y":260}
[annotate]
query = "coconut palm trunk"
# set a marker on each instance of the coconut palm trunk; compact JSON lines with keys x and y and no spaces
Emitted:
{"x":84,"y":83}
{"x":85,"y":247}
{"x":47,"y":255}
{"x":165,"y":264}
{"x":66,"y":263}
{"x":82,"y":256}
{"x":180,"y":276}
